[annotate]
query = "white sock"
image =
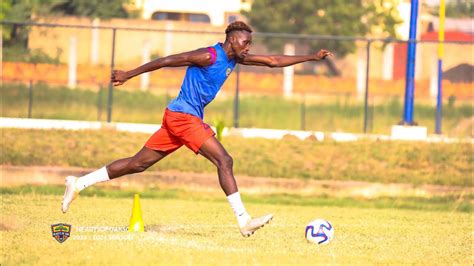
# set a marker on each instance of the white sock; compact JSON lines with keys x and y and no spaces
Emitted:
{"x":100,"y":175}
{"x":239,"y":209}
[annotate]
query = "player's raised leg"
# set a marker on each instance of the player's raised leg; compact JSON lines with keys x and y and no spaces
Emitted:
{"x":213,"y":150}
{"x":138,"y":163}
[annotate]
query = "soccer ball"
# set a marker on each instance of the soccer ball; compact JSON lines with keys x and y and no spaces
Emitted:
{"x":319,"y":232}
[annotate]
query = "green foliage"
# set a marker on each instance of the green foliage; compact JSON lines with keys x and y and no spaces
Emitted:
{"x":92,"y":8}
{"x":22,"y":11}
{"x":456,"y":9}
{"x":29,"y":10}
{"x":341,"y":18}
{"x":5,"y":8}
{"x":17,"y":53}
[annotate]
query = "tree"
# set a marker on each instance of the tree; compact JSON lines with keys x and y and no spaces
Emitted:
{"x":456,"y":9}
{"x":323,"y":17}
{"x":21,"y":11}
{"x":92,"y":8}
{"x":28,"y":10}
{"x":5,"y":8}
{"x":16,"y":36}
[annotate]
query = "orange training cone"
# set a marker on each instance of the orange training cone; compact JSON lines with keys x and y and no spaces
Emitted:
{"x":136,"y":221}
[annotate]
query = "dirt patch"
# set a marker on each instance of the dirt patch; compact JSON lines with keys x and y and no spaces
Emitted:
{"x":9,"y":223}
{"x":160,"y":228}
{"x":4,"y":227}
{"x":465,"y":126}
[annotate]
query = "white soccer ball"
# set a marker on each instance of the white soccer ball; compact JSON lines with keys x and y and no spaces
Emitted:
{"x":319,"y":232}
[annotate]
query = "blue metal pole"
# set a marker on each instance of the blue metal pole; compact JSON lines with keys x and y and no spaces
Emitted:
{"x":440,"y":97}
{"x":439,"y":102}
{"x":410,"y":74}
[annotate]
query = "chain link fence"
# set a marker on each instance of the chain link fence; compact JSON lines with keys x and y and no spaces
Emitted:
{"x":62,"y":71}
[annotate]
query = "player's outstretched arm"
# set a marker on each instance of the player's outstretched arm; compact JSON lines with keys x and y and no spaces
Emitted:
{"x":201,"y":57}
{"x":283,"y":60}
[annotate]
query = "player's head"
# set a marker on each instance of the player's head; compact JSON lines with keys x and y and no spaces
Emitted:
{"x":239,"y":36}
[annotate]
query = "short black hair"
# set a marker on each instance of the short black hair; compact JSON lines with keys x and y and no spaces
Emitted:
{"x":237,"y":26}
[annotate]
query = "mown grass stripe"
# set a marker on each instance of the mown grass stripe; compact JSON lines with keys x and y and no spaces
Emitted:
{"x":445,"y":203}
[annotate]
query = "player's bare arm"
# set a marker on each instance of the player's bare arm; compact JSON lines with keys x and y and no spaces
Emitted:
{"x":200,"y":57}
{"x":183,"y":119}
{"x":283,"y":60}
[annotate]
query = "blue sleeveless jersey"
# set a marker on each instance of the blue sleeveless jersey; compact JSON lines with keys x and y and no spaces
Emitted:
{"x":201,"y":84}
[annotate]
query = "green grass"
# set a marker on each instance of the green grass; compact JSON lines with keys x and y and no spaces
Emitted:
{"x":340,"y":113}
{"x":438,"y":203}
{"x":205,"y":232}
{"x":374,"y":161}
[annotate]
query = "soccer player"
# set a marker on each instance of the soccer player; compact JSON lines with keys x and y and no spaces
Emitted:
{"x":182,"y":124}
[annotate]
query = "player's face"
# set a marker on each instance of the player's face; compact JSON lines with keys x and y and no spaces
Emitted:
{"x":241,"y":43}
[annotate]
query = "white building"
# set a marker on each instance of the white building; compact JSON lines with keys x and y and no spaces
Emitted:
{"x":214,"y":12}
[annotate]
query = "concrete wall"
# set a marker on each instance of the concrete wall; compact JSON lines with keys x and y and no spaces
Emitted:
{"x":129,"y":44}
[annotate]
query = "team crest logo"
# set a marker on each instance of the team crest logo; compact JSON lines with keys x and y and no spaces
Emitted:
{"x":228,"y":71}
{"x":61,"y":232}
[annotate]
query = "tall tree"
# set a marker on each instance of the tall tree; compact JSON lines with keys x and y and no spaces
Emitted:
{"x":324,"y":17}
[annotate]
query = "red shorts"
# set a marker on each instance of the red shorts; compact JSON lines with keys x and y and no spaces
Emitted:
{"x":178,"y":129}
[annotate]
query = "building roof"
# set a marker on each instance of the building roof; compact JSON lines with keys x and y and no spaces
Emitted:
{"x":454,"y":24}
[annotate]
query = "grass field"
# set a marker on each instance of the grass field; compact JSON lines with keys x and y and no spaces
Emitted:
{"x":190,"y":227}
{"x":197,"y":231}
{"x":333,"y":113}
{"x":373,"y":161}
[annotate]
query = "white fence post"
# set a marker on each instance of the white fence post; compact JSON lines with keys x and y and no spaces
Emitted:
{"x":168,"y":39}
{"x":361,"y":73}
{"x":288,"y":72}
{"x":146,"y":55}
{"x":72,"y":77}
{"x":434,"y":81}
{"x":95,"y":42}
{"x":387,"y":64}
